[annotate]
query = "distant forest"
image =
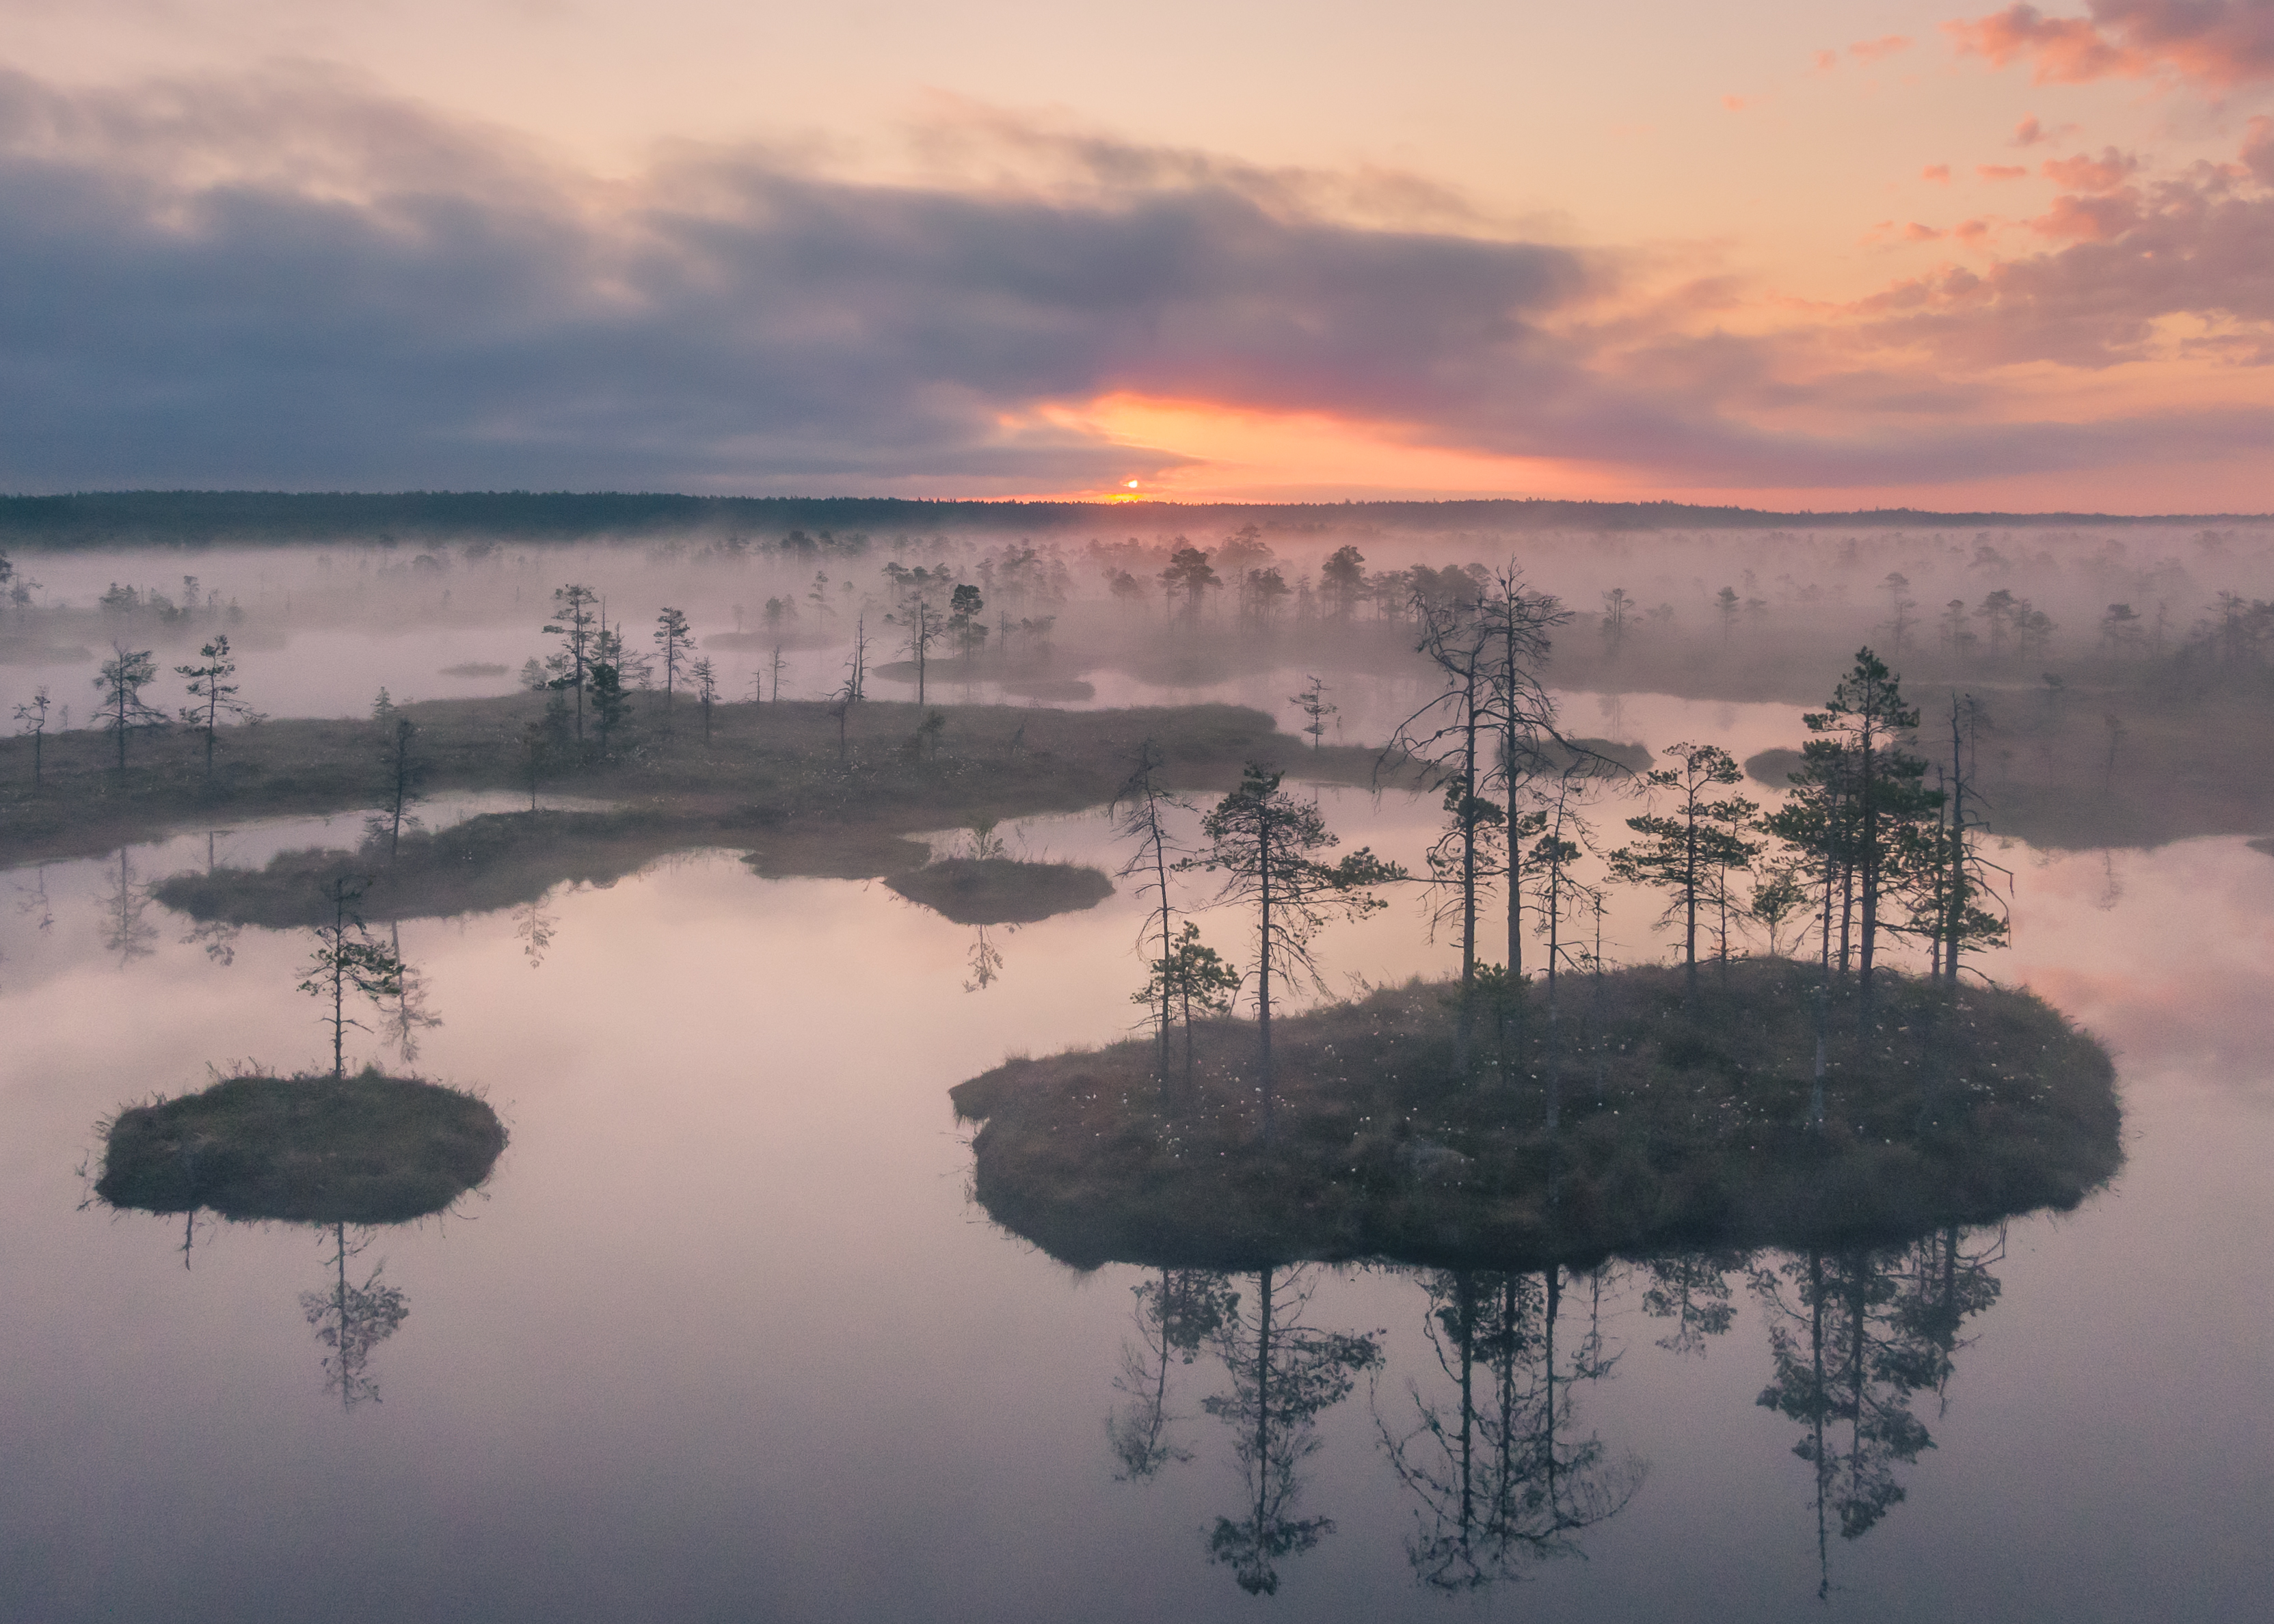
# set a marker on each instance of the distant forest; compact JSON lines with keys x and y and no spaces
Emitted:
{"x":193,"y":518}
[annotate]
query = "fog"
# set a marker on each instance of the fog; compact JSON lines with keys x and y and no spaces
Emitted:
{"x":747,"y":1322}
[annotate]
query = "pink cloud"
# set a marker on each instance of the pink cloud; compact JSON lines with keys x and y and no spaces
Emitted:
{"x":1916,"y":233}
{"x":1936,"y":172}
{"x":2002,"y":171}
{"x":2090,"y":220}
{"x":2215,"y":42}
{"x":1971,"y":230}
{"x":2029,"y":132}
{"x":1871,"y":50}
{"x":1827,"y":60}
{"x":1735,"y":104}
{"x":2080,"y":173}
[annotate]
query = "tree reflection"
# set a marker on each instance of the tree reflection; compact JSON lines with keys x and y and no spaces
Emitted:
{"x":535,"y":927}
{"x":405,"y":1016}
{"x":1176,"y":1315}
{"x":125,"y":931}
{"x":1856,"y":1336}
{"x":985,"y":962}
{"x":1692,"y":1289}
{"x":352,"y":1320}
{"x":1283,"y":1375}
{"x":1501,"y":1479}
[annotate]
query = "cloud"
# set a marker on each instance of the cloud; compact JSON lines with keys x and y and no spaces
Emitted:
{"x":1936,"y":172}
{"x":2219,"y":44}
{"x":2002,"y":171}
{"x":2080,"y":173}
{"x":292,"y":281}
{"x":2196,"y":248}
{"x":2029,"y":132}
{"x":1872,"y":51}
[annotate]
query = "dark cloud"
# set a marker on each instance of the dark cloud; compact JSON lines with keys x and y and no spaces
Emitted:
{"x":289,"y":283}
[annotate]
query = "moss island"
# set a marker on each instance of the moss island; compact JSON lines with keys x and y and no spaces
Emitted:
{"x":360,"y":1150}
{"x":1682,"y":1123}
{"x":999,"y":891}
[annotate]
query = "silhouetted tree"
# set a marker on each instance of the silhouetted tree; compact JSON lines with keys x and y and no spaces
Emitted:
{"x":706,"y":676}
{"x":1342,"y":579}
{"x":575,"y":616}
{"x":1684,"y":855}
{"x":1140,"y":810}
{"x":1313,"y":703}
{"x":612,"y":707}
{"x":124,"y":675}
{"x":31,"y":718}
{"x":347,"y":960}
{"x":215,"y":695}
{"x":1191,"y":978}
{"x":673,"y":639}
{"x":402,"y":770}
{"x":1260,"y":840}
{"x":1189,"y":573}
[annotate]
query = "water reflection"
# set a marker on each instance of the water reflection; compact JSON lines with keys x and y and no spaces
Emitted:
{"x":1283,"y":1375}
{"x":1484,"y":1433}
{"x":126,"y":930}
{"x":1502,"y":1476}
{"x":984,"y":965}
{"x":1856,"y":1336}
{"x":350,"y":1321}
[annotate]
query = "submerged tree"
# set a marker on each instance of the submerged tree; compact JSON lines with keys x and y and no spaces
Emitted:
{"x":347,"y":960}
{"x":1284,"y":1374}
{"x":215,"y":695}
{"x":124,"y":710}
{"x":1260,"y":840}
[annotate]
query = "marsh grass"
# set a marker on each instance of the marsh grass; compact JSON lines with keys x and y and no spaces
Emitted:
{"x":999,"y":891}
{"x":1680,"y":1126}
{"x":359,"y":1150}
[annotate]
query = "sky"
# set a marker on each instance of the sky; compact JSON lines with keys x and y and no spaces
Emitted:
{"x":1819,"y":256}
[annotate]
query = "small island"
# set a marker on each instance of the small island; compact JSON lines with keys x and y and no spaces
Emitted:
{"x":1000,"y":890}
{"x":1679,"y":1122}
{"x":365,"y":1149}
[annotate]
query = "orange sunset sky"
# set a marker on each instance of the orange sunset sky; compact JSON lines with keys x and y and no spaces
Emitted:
{"x":1792,"y":256}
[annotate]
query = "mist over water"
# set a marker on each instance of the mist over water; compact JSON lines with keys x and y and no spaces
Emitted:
{"x":725,"y":1334}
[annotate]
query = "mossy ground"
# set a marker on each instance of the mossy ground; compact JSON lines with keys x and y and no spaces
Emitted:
{"x":365,"y":1149}
{"x":1682,"y":1124}
{"x":771,"y":783}
{"x":998,"y":891}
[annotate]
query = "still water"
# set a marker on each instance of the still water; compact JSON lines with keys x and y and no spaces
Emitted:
{"x":724,"y":1337}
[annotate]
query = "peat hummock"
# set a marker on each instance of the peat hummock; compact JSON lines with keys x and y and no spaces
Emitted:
{"x":998,"y":891}
{"x":1680,"y":1126}
{"x":361,"y":1150}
